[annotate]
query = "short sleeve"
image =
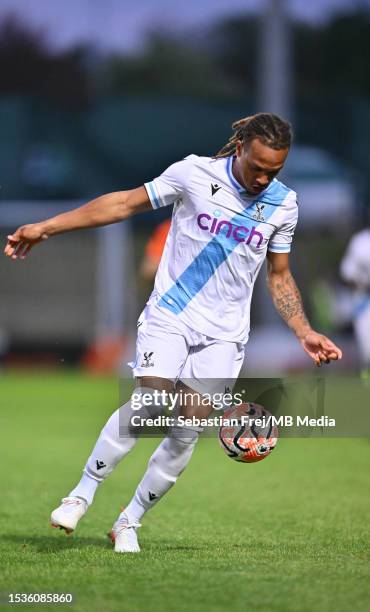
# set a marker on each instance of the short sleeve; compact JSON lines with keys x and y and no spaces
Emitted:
{"x":282,"y":238}
{"x":171,"y":185}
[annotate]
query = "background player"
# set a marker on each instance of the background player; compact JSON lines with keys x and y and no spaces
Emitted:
{"x":355,"y":271}
{"x":230,"y":212}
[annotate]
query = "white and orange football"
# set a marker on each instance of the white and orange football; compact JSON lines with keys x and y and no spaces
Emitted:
{"x":251,"y":434}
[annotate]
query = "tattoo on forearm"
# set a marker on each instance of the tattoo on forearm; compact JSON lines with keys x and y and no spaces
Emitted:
{"x":287,"y":299}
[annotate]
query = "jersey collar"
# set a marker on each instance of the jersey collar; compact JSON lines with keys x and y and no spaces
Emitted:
{"x":231,"y":177}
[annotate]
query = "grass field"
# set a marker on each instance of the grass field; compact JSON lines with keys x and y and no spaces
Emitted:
{"x":288,"y":534}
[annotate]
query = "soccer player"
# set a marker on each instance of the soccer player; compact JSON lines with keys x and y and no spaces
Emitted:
{"x":355,"y":271}
{"x":230,"y":212}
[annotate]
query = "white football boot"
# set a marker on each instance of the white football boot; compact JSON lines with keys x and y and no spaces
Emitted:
{"x":123,"y":535}
{"x":69,"y":513}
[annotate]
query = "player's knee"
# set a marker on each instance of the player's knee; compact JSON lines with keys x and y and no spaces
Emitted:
{"x":176,"y":449}
{"x":185,"y":434}
{"x":146,"y":403}
{"x":116,"y":434}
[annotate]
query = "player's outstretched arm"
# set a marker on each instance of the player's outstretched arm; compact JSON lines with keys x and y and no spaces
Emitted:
{"x":106,"y":209}
{"x":288,"y":303}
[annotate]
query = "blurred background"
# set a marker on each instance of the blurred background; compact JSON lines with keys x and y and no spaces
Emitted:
{"x":97,"y":97}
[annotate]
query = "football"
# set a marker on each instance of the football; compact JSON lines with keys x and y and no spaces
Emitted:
{"x":249,"y":434}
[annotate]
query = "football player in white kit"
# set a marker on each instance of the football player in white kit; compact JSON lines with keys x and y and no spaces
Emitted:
{"x":230,"y":212}
{"x":355,"y":270}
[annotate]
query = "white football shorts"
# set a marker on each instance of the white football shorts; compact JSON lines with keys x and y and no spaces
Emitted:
{"x":167,"y":348}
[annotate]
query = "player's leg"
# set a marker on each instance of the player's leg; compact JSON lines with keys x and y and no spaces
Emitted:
{"x":165,"y":466}
{"x":362,"y":334}
{"x":205,"y":369}
{"x":117,"y":438}
{"x":161,"y":351}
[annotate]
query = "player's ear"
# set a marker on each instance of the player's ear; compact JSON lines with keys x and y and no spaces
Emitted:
{"x":239,"y":148}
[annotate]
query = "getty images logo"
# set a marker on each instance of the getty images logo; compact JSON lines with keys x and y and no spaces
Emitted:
{"x":240,"y":233}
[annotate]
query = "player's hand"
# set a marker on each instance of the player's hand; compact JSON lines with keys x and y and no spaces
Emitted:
{"x":320,"y":348}
{"x":21,"y":242}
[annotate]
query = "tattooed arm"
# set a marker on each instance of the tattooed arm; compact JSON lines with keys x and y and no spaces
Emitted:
{"x":288,"y":303}
{"x":285,"y":294}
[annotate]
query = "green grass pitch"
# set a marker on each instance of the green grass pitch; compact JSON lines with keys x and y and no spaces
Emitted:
{"x":288,"y":534}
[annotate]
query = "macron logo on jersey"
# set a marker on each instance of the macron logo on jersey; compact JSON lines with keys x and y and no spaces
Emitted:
{"x":239,"y":233}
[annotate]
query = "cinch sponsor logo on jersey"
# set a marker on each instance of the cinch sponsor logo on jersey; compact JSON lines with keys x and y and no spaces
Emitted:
{"x":240,"y":233}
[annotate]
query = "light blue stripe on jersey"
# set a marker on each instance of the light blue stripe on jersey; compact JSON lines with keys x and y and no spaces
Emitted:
{"x":218,"y":249}
{"x":279,"y":248}
{"x":153,"y":196}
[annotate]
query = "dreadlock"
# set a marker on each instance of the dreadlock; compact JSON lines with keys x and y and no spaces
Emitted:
{"x":270,"y":130}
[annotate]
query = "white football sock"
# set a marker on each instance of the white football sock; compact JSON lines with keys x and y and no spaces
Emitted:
{"x":115,"y":441}
{"x":165,"y":466}
{"x":85,"y":489}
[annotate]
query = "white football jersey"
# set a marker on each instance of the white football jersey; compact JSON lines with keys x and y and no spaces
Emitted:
{"x":217,"y":242}
{"x":355,"y":266}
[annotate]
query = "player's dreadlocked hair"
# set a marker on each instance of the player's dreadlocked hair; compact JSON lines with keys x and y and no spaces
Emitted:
{"x":270,"y":130}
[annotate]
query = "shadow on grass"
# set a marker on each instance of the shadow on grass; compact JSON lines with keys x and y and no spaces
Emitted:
{"x":55,"y":544}
{"x":163,"y":546}
{"x":60,"y":543}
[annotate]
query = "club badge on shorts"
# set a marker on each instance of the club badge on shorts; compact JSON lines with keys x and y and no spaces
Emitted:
{"x":148,"y":361}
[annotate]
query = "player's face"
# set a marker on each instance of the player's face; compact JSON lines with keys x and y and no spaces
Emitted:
{"x":257,"y":164}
